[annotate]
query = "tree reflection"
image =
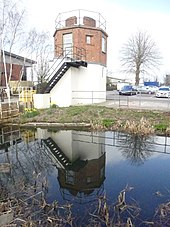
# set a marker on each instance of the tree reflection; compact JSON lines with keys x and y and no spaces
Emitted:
{"x":29,"y":165}
{"x":136,"y":149}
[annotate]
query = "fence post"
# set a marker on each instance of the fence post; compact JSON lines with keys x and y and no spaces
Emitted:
{"x":140,"y":101}
{"x":92,"y":97}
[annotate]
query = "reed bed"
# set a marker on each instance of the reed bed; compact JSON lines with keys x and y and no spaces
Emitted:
{"x":28,"y":208}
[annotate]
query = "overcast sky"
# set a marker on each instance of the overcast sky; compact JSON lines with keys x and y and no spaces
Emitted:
{"x":123,"y":18}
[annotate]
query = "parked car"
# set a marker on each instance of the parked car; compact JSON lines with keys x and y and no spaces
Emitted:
{"x":147,"y":89}
{"x":163,"y":92}
{"x":128,"y":90}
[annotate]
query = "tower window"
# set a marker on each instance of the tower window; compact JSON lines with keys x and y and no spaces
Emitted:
{"x":88,"y":39}
{"x":89,"y":180}
{"x":70,"y":177}
{"x":103,"y":44}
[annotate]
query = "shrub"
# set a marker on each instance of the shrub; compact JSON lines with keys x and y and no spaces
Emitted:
{"x":53,"y":105}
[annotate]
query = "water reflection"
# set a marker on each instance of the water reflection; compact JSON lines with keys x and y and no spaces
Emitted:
{"x":135,"y":148}
{"x":74,"y":161}
{"x":21,"y":160}
{"x":24,"y":155}
{"x":81,"y":166}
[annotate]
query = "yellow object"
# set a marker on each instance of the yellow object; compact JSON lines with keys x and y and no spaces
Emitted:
{"x":28,"y":136}
{"x":26,"y":96}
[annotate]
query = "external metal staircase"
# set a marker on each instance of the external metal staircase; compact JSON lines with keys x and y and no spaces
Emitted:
{"x":61,"y":71}
{"x":62,"y":158}
{"x":74,"y":57}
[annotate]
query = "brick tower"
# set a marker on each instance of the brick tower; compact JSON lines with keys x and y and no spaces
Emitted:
{"x":82,"y":33}
{"x":78,"y":71}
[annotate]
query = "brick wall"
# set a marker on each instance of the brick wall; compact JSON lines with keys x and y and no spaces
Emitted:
{"x":16,"y":72}
{"x":92,"y":170}
{"x":71,"y":21}
{"x":89,"y":22}
{"x":94,"y":52}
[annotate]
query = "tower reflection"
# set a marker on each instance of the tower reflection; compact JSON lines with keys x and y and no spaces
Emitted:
{"x":80,"y":163}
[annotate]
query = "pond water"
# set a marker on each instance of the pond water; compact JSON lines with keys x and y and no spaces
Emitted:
{"x":87,"y":170}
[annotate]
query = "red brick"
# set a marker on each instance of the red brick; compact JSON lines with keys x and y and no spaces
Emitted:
{"x":93,"y":51}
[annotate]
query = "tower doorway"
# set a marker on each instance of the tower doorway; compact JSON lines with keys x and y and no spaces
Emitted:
{"x":68,"y":44}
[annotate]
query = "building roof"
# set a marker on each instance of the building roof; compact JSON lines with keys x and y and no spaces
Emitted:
{"x":18,"y":58}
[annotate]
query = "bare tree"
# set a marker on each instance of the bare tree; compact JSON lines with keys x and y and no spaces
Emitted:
{"x":13,"y":31}
{"x":11,"y":24}
{"x":38,"y":46}
{"x":139,"y":54}
{"x":33,"y":44}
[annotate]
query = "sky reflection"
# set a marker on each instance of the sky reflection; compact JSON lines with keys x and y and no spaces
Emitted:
{"x":80,"y":166}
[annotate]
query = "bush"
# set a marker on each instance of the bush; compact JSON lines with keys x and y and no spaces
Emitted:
{"x":53,"y":106}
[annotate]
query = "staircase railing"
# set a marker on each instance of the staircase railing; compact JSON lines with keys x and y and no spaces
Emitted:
{"x":53,"y":69}
{"x":71,"y":53}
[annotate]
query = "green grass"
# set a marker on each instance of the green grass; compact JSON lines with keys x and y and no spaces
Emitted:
{"x":108,"y":122}
{"x":103,"y":117}
{"x":161,"y":127}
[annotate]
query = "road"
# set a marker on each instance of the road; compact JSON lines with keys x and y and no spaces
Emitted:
{"x":142,"y":101}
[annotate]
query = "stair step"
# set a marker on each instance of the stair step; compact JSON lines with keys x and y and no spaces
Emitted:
{"x":57,"y":152}
{"x":61,"y":71}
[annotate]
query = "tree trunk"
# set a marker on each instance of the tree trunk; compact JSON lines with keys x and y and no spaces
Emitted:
{"x":137,"y":79}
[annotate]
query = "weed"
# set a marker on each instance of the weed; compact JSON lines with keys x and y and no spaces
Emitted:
{"x":104,"y":118}
{"x":107,"y":122}
{"x":161,"y":127}
{"x":73,"y":111}
{"x":50,"y":111}
{"x":142,"y":127}
{"x":29,"y":113}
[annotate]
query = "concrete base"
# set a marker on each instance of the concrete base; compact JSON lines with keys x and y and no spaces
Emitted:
{"x":42,"y":101}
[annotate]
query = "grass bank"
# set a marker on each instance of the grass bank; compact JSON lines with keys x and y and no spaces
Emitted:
{"x":103,"y":118}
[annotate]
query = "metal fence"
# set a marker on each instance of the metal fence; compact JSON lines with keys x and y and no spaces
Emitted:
{"x":88,"y":97}
{"x":153,"y":144}
{"x":138,"y":102}
{"x":111,"y":99}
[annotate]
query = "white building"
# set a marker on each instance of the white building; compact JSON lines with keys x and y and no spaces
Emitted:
{"x":78,"y":73}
